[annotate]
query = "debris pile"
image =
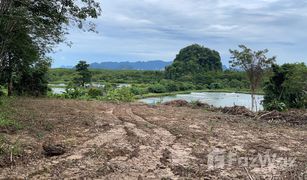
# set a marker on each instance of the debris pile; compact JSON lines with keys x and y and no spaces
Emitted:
{"x":199,"y":104}
{"x":292,"y":117}
{"x":177,"y":103}
{"x":238,"y":110}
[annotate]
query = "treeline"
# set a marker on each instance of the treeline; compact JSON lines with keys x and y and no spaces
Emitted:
{"x":110,"y":76}
{"x":211,"y":80}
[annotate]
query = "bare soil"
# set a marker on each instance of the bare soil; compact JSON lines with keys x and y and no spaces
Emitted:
{"x":136,"y":141}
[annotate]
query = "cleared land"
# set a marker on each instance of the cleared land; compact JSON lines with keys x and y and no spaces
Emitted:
{"x":137,"y":141}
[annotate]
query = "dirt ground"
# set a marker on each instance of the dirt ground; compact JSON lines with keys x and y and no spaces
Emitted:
{"x":137,"y":141}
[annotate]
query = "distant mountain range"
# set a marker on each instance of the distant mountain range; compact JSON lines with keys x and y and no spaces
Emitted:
{"x":155,"y":65}
{"x":140,"y":65}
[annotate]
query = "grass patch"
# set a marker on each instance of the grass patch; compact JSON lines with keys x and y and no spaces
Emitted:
{"x":9,"y":124}
{"x":6,"y":123}
{"x":9,"y":150}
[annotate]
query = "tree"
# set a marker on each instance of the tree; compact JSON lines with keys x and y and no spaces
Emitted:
{"x":254,"y":63}
{"x":84,"y":75}
{"x":287,"y":85}
{"x":33,"y":80}
{"x":42,"y":24}
{"x":193,"y":60}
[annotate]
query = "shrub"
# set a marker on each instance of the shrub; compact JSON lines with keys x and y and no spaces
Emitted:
{"x":172,"y":86}
{"x":157,"y":88}
{"x":122,"y":94}
{"x":94,"y":92}
{"x":9,"y":124}
{"x":185,"y":86}
{"x":200,"y":87}
{"x":234,"y":83}
{"x":288,"y":84}
{"x":275,"y":105}
{"x":73,"y":92}
{"x":138,"y":90}
{"x":215,"y":86}
{"x":8,"y":148}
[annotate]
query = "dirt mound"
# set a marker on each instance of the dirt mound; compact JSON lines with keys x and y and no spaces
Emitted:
{"x":199,"y":104}
{"x":292,"y":117}
{"x":238,"y":110}
{"x":177,"y":103}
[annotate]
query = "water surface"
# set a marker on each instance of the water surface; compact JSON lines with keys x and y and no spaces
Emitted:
{"x":215,"y":99}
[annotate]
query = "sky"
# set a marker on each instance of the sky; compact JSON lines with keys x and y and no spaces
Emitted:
{"x":143,"y":30}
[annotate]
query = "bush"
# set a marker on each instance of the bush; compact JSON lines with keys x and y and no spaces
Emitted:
{"x":93,"y":92}
{"x":73,"y":92}
{"x":9,"y":124}
{"x":215,"y":86}
{"x":157,"y":88}
{"x":171,"y":86}
{"x":275,"y":105}
{"x":138,"y":90}
{"x":234,"y":83}
{"x":288,"y":84}
{"x":122,"y":94}
{"x":185,"y":86}
{"x":200,"y":87}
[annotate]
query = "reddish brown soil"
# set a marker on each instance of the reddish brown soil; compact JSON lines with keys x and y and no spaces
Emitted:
{"x":136,"y":141}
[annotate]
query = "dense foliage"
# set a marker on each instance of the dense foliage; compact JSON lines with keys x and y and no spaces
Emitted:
{"x":215,"y":80}
{"x":193,"y":60}
{"x":287,"y":87}
{"x":110,"y":76}
{"x":30,"y":29}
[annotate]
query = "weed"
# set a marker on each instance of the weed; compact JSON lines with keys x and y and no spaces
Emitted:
{"x":9,"y":148}
{"x":48,"y":126}
{"x":9,"y":124}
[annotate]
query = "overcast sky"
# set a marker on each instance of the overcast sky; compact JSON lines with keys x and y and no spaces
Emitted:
{"x":132,"y":30}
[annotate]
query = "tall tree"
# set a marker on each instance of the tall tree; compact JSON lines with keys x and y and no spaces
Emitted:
{"x":84,"y":75}
{"x":254,"y":63}
{"x":44,"y":24}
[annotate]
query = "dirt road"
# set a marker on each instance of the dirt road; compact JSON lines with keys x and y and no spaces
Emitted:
{"x":136,"y":141}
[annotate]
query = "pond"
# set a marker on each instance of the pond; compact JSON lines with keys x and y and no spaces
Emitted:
{"x":58,"y":90}
{"x":215,"y":99}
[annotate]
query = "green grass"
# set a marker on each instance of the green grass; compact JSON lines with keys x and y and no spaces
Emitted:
{"x":7,"y":123}
{"x":5,"y":113}
{"x":8,"y":148}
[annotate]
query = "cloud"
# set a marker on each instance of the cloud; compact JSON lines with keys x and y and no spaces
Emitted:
{"x":155,"y":29}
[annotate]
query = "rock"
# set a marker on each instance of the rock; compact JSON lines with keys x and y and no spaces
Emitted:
{"x":53,"y":149}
